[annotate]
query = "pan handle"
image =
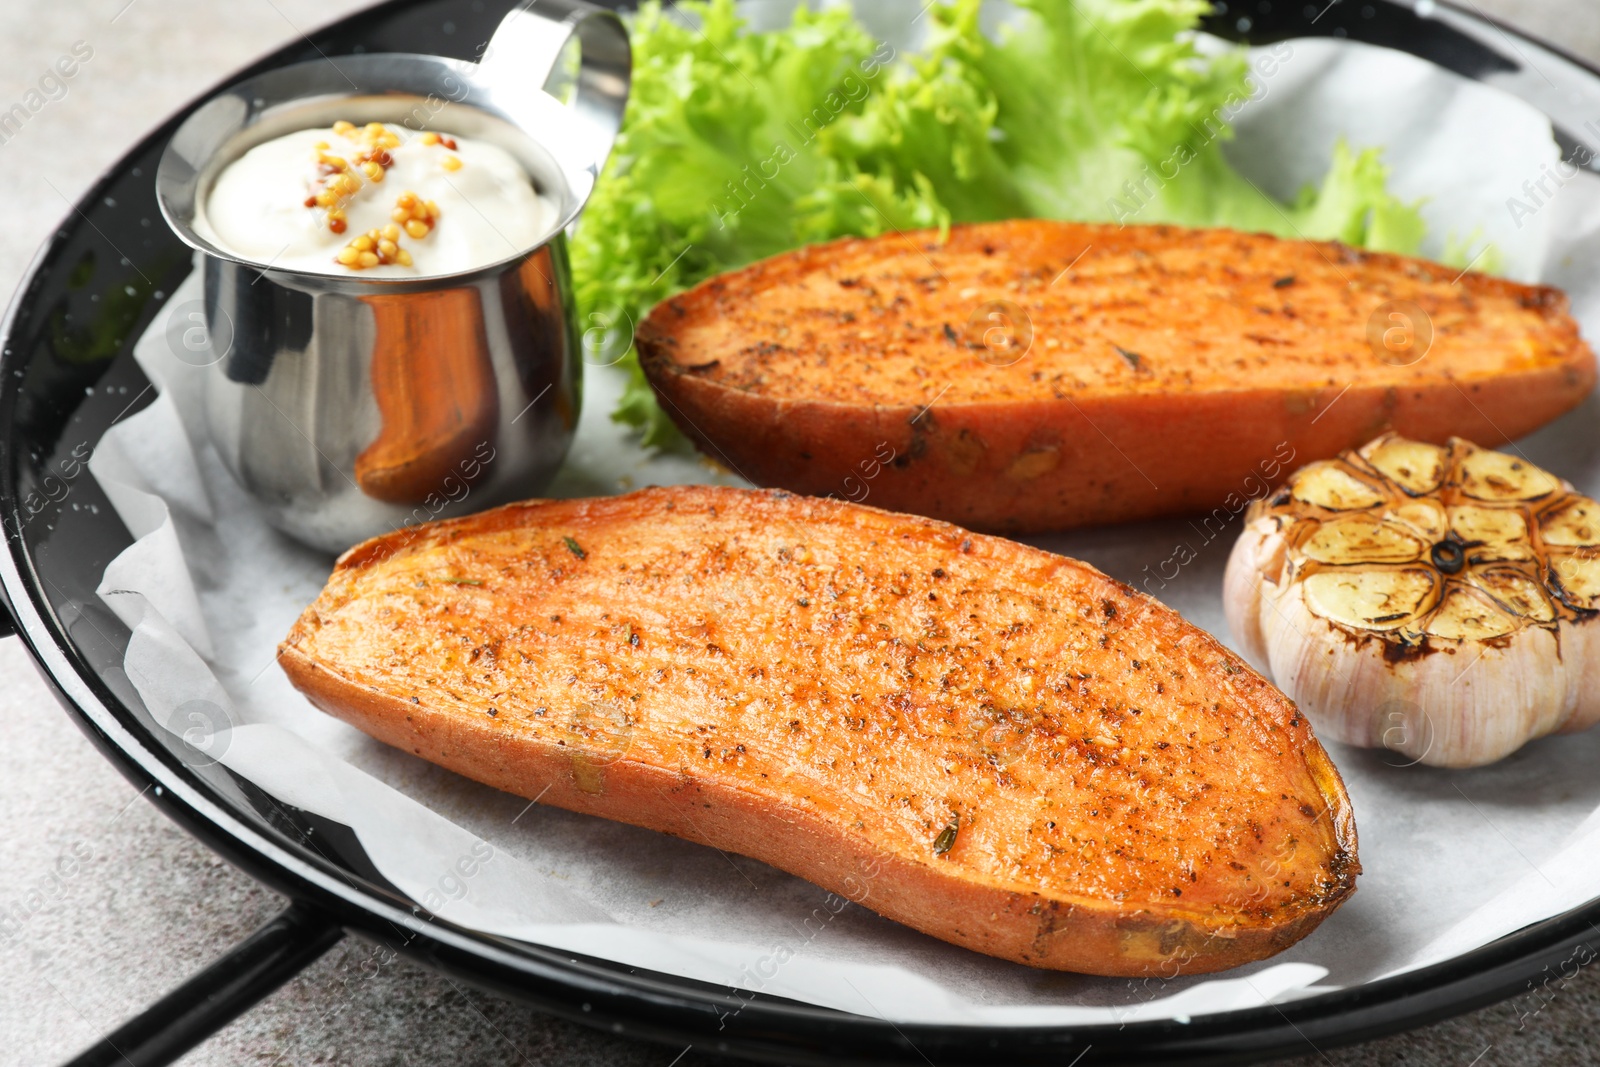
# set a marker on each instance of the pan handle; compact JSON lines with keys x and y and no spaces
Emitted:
{"x":185,"y":1017}
{"x":1460,"y":39}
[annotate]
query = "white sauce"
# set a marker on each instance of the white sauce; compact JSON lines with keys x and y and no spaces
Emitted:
{"x":487,"y":208}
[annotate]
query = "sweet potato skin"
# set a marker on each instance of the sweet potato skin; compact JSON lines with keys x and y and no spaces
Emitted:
{"x":1133,"y":798}
{"x":1166,"y":367}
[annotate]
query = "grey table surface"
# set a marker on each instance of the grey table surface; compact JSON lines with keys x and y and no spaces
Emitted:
{"x":147,"y":905}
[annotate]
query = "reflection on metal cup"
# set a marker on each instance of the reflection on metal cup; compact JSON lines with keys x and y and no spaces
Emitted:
{"x":432,"y":378}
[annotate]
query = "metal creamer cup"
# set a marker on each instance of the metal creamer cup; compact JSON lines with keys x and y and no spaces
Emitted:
{"x":347,"y":405}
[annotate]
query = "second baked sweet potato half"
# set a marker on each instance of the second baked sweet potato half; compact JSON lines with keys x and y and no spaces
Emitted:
{"x":998,"y":746}
{"x":1030,"y":376}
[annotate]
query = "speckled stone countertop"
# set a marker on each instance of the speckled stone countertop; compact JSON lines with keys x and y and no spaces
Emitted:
{"x":142,"y":906}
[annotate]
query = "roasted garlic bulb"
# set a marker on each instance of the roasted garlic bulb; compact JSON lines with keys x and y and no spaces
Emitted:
{"x":1438,"y":601}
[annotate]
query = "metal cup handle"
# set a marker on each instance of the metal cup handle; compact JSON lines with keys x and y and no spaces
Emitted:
{"x":526,"y":51}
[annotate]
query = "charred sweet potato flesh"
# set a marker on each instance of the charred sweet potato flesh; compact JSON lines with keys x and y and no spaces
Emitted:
{"x":996,"y":745}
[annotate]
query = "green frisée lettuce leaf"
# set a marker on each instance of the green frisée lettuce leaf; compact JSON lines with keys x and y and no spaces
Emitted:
{"x":738,"y":145}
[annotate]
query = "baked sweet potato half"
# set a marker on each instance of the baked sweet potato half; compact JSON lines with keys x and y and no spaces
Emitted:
{"x":996,"y":745}
{"x":1031,"y":376}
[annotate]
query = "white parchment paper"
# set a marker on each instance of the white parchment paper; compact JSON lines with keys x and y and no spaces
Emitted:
{"x":1452,"y":860}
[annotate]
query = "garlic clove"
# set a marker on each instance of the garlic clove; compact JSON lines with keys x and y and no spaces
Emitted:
{"x":1371,"y":599}
{"x":1334,"y":488}
{"x":1363,"y":540}
{"x":1574,"y":522}
{"x":1466,"y":615}
{"x":1518,"y":594}
{"x":1491,"y":533}
{"x":1487,"y":475}
{"x":1577,"y":574}
{"x":1416,"y":467}
{"x":1425,"y":518}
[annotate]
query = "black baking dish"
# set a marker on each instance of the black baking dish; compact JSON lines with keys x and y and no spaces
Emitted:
{"x":67,"y":374}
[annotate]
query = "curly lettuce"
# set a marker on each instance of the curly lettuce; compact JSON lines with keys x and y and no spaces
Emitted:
{"x":738,"y":145}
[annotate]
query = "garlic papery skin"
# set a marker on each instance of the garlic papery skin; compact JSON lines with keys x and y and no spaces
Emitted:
{"x":1437,"y":601}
